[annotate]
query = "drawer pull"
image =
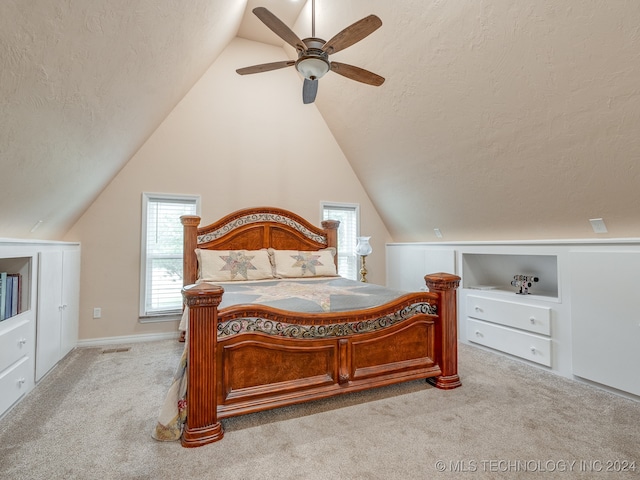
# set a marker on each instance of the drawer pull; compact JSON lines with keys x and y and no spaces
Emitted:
{"x":478,"y":309}
{"x":21,"y":381}
{"x":533,"y":350}
{"x":532,"y":320}
{"x":478,"y":333}
{"x":22,"y":341}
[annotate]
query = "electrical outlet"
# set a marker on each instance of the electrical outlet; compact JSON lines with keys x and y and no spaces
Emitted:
{"x":437,"y":232}
{"x":97,"y":312}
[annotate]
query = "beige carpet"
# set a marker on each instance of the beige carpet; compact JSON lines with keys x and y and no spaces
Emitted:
{"x":91,"y":418}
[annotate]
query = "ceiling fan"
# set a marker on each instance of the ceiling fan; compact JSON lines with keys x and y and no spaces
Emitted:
{"x":313,"y":53}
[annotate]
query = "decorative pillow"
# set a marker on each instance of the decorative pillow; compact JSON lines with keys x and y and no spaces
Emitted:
{"x":294,"y":263}
{"x":230,"y":265}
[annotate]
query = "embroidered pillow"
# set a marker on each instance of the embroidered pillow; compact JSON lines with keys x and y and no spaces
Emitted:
{"x":232,"y":265}
{"x":293,"y":263}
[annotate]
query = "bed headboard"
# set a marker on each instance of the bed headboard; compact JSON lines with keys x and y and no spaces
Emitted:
{"x":253,"y":229}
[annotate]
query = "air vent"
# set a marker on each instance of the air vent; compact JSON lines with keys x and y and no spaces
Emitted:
{"x":116,"y":350}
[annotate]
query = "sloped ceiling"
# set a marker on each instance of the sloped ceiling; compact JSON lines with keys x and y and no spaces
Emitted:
{"x":82,"y":85}
{"x":497,"y":120}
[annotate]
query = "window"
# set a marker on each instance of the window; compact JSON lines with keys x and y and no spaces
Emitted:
{"x":161,"y":256}
{"x":349,"y":216}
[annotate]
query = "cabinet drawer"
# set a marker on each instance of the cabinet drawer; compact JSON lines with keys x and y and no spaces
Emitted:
{"x":14,"y":382}
{"x":15,"y":343}
{"x":518,"y":315}
{"x":515,"y":342}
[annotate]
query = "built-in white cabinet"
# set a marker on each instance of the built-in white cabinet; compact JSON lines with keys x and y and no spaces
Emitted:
{"x":18,"y":331}
{"x":510,"y":302}
{"x":605,"y":316}
{"x":578,"y":319}
{"x":43,"y":324}
{"x":517,"y":328}
{"x":58,"y":306}
{"x":407,"y":264}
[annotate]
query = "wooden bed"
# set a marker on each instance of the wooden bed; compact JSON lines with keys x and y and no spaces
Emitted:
{"x":413,"y":337}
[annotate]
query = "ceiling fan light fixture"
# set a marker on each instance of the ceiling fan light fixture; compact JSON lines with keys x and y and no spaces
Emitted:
{"x":312,"y":68}
{"x":313,"y":52}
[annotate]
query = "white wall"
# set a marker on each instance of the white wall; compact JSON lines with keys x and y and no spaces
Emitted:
{"x":237,"y":144}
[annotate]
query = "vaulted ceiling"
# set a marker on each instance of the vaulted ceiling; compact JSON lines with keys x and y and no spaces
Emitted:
{"x":498,"y":119}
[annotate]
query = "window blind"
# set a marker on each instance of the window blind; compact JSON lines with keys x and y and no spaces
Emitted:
{"x":163,"y":253}
{"x":348,"y":215}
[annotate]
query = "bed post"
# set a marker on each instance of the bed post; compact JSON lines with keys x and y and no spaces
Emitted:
{"x":190,"y":243}
{"x":202,"y":426}
{"x":331,"y":229}
{"x":445,"y":285}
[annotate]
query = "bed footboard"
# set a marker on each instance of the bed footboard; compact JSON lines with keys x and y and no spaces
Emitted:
{"x":241,"y":367}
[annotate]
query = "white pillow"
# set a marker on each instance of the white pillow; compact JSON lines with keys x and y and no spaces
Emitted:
{"x":294,"y":263}
{"x":231,"y":265}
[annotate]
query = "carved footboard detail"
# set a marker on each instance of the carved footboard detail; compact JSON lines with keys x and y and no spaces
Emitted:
{"x":343,"y":350}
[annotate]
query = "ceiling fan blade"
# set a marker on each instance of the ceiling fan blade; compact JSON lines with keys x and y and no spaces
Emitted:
{"x":265,"y":67}
{"x":309,"y":91}
{"x":352,"y":34}
{"x":358,"y":74}
{"x":279,"y":28}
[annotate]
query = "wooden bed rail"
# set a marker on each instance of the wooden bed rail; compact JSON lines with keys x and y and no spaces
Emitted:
{"x":203,"y":425}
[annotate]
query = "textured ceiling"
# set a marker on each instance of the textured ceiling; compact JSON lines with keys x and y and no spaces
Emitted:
{"x":498,"y":119}
{"x":82,"y":85}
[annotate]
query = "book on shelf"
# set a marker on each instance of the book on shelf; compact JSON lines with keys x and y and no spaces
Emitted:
{"x":3,"y":294}
{"x":16,"y":291}
{"x":10,"y":286}
{"x":9,"y":294}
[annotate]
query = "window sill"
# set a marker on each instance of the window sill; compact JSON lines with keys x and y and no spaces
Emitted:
{"x":160,"y":317}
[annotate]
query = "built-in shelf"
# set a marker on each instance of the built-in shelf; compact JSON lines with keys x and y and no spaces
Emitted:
{"x":492,"y":272}
{"x":22,"y":267}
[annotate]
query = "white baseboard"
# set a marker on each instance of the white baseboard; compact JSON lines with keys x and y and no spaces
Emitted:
{"x":149,"y":337}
